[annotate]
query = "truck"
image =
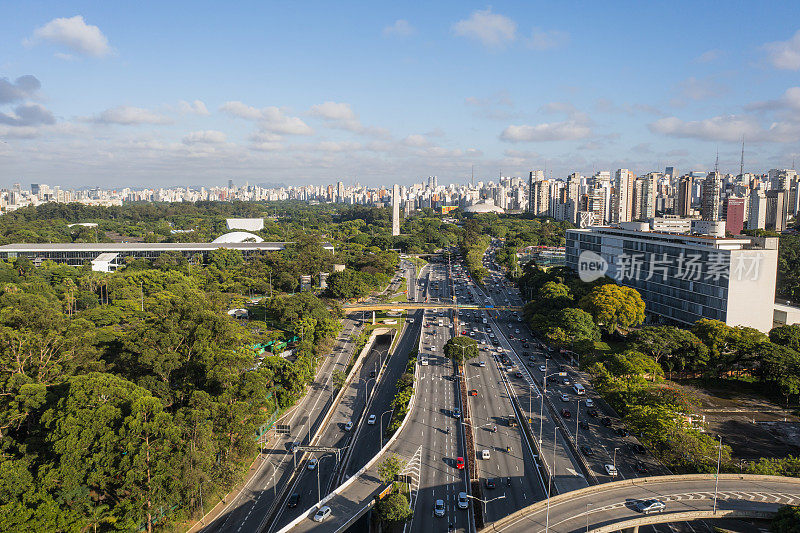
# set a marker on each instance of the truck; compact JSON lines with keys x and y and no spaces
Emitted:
{"x":512,"y":421}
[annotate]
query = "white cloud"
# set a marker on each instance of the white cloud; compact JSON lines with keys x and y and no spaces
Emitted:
{"x":489,"y":28}
{"x":416,"y":140}
{"x":728,"y":128}
{"x":197,"y":107}
{"x":785,"y":55}
{"x":129,"y":116}
{"x":338,"y":113}
{"x":23,"y":88}
{"x":554,"y":131}
{"x":703,"y":89}
{"x":204,"y":137}
{"x":790,"y":100}
{"x":708,"y":56}
{"x":547,"y":40}
{"x":400,"y":28}
{"x":270,"y":119}
{"x":75,"y":34}
{"x":28,"y":115}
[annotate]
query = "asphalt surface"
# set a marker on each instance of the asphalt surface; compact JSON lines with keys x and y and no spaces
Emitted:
{"x":311,"y":484}
{"x":246,"y":511}
{"x":616,"y":503}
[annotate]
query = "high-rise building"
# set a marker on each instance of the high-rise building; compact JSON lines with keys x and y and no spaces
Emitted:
{"x":735,"y":209}
{"x":757,"y":216}
{"x":776,"y":210}
{"x":709,"y":201}
{"x":739,"y":289}
{"x":644,"y":197}
{"x":395,"y":210}
{"x":683,"y":206}
{"x":622,"y":203}
{"x":541,"y":198}
{"x":534,"y":177}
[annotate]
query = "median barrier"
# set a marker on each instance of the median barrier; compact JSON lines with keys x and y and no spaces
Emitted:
{"x":338,"y":490}
{"x":686,"y":516}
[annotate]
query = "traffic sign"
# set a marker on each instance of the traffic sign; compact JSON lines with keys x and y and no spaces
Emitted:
{"x":282,"y":429}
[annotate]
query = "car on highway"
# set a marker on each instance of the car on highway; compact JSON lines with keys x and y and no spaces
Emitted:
{"x":473,"y":392}
{"x":526,"y":345}
{"x":640,"y":467}
{"x":371,"y":420}
{"x":518,"y":375}
{"x":293,"y":500}
{"x":566,"y":381}
{"x":622,"y":432}
{"x":542,"y":368}
{"x":589,"y":402}
{"x":564,"y":397}
{"x":481,"y":364}
{"x":322,"y":514}
{"x":438,"y":508}
{"x":456,"y":413}
{"x":460,"y":463}
{"x":312,"y":463}
{"x":293,"y":447}
{"x":485,"y":454}
{"x":566,"y":413}
{"x":587,"y":451}
{"x":606,"y":422}
{"x":650,"y":506}
{"x":611,"y":470}
{"x":463,"y":500}
{"x":490,"y":483}
{"x":584,"y":425}
{"x":593,"y":412}
{"x":348,"y":426}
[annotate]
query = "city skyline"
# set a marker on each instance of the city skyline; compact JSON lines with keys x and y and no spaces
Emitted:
{"x":169,"y":96}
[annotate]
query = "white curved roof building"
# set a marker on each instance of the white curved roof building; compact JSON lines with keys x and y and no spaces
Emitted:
{"x":484,"y":207}
{"x":238,"y":236}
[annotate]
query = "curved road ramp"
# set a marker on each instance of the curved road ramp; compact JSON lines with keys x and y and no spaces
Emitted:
{"x":613,"y":506}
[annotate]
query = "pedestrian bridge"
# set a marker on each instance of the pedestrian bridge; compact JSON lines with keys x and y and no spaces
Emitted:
{"x":352,"y":308}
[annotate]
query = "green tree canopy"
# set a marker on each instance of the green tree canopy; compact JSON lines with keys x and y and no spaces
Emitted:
{"x":461,"y":348}
{"x":614,"y":308}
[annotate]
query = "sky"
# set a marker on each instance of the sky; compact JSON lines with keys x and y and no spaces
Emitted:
{"x":144,"y":94}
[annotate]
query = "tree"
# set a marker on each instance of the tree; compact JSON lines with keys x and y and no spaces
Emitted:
{"x":338,"y":378}
{"x":614,"y":308}
{"x":786,"y":520}
{"x":390,"y":468}
{"x":788,"y":335}
{"x":394,"y":508}
{"x":577,"y":325}
{"x":671,"y":346}
{"x":461,"y":348}
{"x":780,"y":366}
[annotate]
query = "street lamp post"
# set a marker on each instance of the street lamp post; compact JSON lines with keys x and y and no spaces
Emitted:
{"x":587,"y":516}
{"x":716,"y":478}
{"x":615,"y":458}
{"x":541,"y":404}
{"x":380,"y":435}
{"x":484,"y":502}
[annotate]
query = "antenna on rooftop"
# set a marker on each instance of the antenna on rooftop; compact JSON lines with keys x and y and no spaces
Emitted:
{"x":741,"y":163}
{"x":716,"y":165}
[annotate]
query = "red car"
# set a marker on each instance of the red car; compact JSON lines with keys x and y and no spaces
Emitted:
{"x":460,"y":463}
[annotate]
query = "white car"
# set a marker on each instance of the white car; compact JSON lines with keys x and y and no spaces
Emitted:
{"x":485,"y":454}
{"x":463,"y":500}
{"x":542,"y":368}
{"x":564,"y":397}
{"x":589,"y":402}
{"x":482,"y":363}
{"x":312,"y":463}
{"x":348,"y":426}
{"x":322,"y":514}
{"x":438,"y":508}
{"x":611,"y":470}
{"x":371,"y":420}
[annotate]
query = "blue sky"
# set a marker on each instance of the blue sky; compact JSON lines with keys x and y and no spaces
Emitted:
{"x":178,"y":93}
